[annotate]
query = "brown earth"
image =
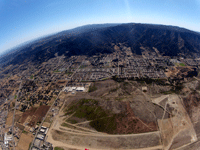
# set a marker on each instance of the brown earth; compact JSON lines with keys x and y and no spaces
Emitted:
{"x":129,"y":123}
{"x":191,"y":101}
{"x":24,"y":142}
{"x":28,"y":112}
{"x":129,"y":109}
{"x":38,"y":115}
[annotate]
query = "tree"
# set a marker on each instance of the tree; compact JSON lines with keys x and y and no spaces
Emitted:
{"x":13,"y":103}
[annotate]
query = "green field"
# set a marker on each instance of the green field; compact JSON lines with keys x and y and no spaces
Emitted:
{"x":101,"y":120}
{"x":182,"y":64}
{"x":58,"y":148}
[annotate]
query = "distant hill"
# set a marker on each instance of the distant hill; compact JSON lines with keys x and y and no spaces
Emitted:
{"x":95,"y":39}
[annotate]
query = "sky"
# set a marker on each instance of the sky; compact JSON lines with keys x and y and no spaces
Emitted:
{"x":25,"y":20}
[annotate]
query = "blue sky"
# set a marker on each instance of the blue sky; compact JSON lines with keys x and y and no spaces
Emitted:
{"x":24,"y":20}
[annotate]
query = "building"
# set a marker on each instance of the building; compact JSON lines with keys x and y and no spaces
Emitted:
{"x":44,"y":130}
{"x":80,"y":89}
{"x":144,"y":89}
{"x":40,"y":136}
{"x":7,"y":138}
{"x":37,"y":143}
{"x":71,"y":89}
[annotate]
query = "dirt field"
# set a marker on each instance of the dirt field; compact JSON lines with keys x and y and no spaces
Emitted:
{"x":75,"y":136}
{"x":38,"y":115}
{"x":108,"y":142}
{"x":9,"y":118}
{"x":27,"y":113}
{"x":46,"y":124}
{"x":132,"y":109}
{"x":24,"y":142}
{"x":193,"y":146}
{"x":177,"y":130}
{"x":129,"y":123}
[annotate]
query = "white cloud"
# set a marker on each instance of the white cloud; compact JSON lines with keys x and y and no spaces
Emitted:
{"x":128,"y":8}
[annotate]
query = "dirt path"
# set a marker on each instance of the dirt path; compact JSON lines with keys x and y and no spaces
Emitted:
{"x":65,"y":145}
{"x":177,"y":127}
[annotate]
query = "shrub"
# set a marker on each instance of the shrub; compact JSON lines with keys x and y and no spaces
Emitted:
{"x":92,"y":88}
{"x":58,"y":148}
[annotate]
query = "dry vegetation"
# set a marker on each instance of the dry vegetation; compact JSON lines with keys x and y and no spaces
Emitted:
{"x":114,"y":108}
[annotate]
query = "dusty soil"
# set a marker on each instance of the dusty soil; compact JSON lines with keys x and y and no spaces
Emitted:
{"x":192,"y":106}
{"x":129,"y":123}
{"x":133,"y":110}
{"x":38,"y":115}
{"x":81,"y":138}
{"x":46,"y":124}
{"x":9,"y":118}
{"x":27,"y":113}
{"x":193,"y":146}
{"x":181,"y":140}
{"x":191,"y":102}
{"x":108,"y":142}
{"x":178,"y":129}
{"x":24,"y":142}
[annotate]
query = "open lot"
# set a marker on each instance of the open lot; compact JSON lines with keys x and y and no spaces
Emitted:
{"x":108,"y":142}
{"x":177,"y":130}
{"x":24,"y":142}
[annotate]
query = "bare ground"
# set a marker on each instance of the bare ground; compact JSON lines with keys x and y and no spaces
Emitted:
{"x":24,"y":142}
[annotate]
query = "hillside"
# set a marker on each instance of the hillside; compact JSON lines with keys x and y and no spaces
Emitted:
{"x":94,"y":39}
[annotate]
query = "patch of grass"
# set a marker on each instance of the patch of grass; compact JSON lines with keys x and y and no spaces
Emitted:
{"x":176,"y":64}
{"x":92,"y":88}
{"x":47,"y":119}
{"x":25,"y":132}
{"x":125,"y":83}
{"x":56,"y":71}
{"x":31,"y":77}
{"x":114,"y":90}
{"x":30,"y":145}
{"x":72,"y":121}
{"x":13,"y":103}
{"x":168,"y":92}
{"x":141,"y":82}
{"x":104,"y":121}
{"x":69,"y":73}
{"x":107,"y":125}
{"x":105,"y":79}
{"x":82,"y":66}
{"x":68,"y":113}
{"x":15,"y":96}
{"x":198,"y":86}
{"x":58,"y":148}
{"x":119,"y":99}
{"x":177,"y":90}
{"x":90,"y":112}
{"x":117,"y":79}
{"x":65,"y":125}
{"x":182,"y":64}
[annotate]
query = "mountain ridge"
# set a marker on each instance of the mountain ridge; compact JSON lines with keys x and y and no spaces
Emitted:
{"x":95,"y":39}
